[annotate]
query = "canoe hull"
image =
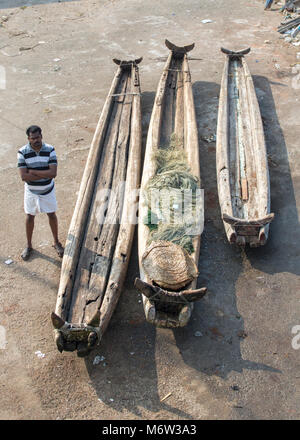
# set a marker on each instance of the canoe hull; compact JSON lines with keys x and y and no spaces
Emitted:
{"x":241,"y":158}
{"x":101,"y":232}
{"x":173,"y":112}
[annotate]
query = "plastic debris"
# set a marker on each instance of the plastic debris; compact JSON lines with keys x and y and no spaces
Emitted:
{"x":98,"y":359}
{"x":295,"y":31}
{"x":277,"y":66}
{"x":164,"y":398}
{"x":40,"y":354}
{"x":198,"y":334}
{"x":206,"y":21}
{"x":288,"y":26}
{"x":44,"y":243}
{"x":210,"y":138}
{"x":112,"y":400}
{"x":9,"y":261}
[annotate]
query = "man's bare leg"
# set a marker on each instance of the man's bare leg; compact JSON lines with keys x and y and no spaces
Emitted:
{"x":29,"y":231}
{"x":53,"y":225}
{"x":54,"y":229}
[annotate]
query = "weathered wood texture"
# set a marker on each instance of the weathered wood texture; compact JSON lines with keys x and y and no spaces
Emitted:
{"x":102,"y":227}
{"x":173,"y":112}
{"x":242,"y":167}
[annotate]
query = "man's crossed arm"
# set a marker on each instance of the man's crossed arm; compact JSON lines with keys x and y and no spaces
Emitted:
{"x":31,"y":175}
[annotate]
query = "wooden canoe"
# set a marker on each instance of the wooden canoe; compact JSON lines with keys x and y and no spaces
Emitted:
{"x":173,"y":112}
{"x":242,"y":165}
{"x":100,"y":236}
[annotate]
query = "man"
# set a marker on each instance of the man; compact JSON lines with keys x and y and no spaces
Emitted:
{"x":38,"y":164}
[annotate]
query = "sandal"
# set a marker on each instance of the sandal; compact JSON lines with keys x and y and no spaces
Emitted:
{"x":59,"y":249}
{"x":26,"y":253}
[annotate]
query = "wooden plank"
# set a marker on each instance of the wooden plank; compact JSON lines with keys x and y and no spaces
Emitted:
{"x":108,"y":237}
{"x":128,"y":221}
{"x":222,"y":152}
{"x":88,"y":254}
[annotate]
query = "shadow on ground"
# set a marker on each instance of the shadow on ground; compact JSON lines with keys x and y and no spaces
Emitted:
{"x":283,"y":243}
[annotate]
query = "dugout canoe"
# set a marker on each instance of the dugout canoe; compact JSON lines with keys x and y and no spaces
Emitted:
{"x":100,"y":236}
{"x":173,"y":113}
{"x":241,"y":158}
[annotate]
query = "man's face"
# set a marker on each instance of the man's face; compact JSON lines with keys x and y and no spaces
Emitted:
{"x":35,"y":140}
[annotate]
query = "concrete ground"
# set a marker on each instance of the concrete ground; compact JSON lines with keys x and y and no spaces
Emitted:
{"x":244,"y":365}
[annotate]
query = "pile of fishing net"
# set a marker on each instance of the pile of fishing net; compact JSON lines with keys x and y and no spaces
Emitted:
{"x":173,"y":198}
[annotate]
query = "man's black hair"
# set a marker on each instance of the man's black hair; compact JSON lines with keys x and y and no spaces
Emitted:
{"x":33,"y":129}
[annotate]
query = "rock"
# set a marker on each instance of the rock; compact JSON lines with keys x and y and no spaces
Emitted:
{"x":242,"y":334}
{"x":40,"y":354}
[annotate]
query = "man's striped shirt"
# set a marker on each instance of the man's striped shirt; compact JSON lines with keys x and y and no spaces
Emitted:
{"x":28,"y":158}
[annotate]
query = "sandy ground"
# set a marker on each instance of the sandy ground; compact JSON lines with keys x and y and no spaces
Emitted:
{"x":243,"y":366}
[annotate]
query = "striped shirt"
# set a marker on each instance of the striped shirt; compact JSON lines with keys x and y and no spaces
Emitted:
{"x":28,"y":158}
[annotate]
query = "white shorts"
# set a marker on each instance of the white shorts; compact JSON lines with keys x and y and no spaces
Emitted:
{"x":34,"y":204}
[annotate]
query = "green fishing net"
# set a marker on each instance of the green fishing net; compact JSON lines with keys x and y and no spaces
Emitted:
{"x":171,"y":196}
